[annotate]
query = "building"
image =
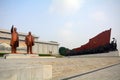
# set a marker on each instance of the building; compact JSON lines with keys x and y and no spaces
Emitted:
{"x":40,"y":47}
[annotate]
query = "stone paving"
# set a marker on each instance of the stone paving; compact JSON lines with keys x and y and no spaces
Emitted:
{"x":110,"y":73}
{"x":65,"y":67}
{"x":74,"y":66}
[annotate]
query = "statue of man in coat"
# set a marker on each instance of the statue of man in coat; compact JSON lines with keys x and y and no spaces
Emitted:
{"x":29,"y":41}
{"x":14,"y":43}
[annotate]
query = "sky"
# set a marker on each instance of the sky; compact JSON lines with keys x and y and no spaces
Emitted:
{"x":69,"y":22}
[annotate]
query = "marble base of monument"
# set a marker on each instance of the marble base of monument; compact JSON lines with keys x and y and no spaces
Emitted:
{"x":10,"y":56}
{"x":21,"y":56}
{"x":26,"y":72}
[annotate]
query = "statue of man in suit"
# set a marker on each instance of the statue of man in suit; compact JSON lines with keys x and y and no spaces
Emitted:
{"x":14,"y":43}
{"x":29,"y":41}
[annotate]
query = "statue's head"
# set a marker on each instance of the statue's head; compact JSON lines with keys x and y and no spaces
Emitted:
{"x":29,"y":33}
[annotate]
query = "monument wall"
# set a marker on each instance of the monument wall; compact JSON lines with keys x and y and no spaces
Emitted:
{"x":40,"y":47}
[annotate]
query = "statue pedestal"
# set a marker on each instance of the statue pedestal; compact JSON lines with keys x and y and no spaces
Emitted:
{"x":24,"y":70}
{"x":22,"y":56}
{"x":10,"y":56}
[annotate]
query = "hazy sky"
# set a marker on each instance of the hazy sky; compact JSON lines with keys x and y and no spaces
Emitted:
{"x":69,"y":22}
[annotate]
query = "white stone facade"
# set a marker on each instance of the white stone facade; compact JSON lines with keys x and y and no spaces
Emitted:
{"x":40,"y":47}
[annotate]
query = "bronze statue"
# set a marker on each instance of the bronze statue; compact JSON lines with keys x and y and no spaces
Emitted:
{"x":14,"y":39}
{"x":29,"y":41}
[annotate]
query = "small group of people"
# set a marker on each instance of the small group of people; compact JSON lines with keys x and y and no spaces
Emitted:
{"x":114,"y":44}
{"x":14,"y":43}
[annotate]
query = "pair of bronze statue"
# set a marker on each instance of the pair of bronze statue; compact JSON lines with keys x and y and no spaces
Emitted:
{"x":29,"y":41}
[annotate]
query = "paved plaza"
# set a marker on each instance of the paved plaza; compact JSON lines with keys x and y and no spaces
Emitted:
{"x":67,"y":66}
{"x":109,"y":73}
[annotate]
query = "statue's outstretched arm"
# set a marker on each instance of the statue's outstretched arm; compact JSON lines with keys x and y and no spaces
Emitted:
{"x":12,"y":28}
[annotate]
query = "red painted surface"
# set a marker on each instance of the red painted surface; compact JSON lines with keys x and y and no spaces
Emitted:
{"x":99,"y":40}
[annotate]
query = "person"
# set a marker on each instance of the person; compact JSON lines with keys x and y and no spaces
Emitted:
{"x":114,"y":44}
{"x":29,"y":41}
{"x":14,"y":43}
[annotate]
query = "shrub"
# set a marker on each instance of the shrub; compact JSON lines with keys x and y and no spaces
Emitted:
{"x":63,"y":51}
{"x":44,"y":54}
{"x":2,"y":54}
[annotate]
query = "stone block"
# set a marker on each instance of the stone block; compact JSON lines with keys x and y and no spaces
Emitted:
{"x":47,"y":71}
{"x":34,"y":72}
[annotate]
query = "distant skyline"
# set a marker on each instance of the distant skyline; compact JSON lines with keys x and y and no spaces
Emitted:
{"x":70,"y":22}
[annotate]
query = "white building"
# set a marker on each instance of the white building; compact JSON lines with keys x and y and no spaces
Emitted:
{"x":40,"y":47}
